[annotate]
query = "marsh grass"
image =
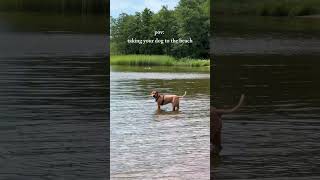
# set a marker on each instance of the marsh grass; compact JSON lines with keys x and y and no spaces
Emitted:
{"x":268,"y":7}
{"x":192,"y":62}
{"x":288,"y":8}
{"x":156,"y":60}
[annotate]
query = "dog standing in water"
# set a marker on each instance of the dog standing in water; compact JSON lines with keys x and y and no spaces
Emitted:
{"x":216,"y":125}
{"x":166,"y":99}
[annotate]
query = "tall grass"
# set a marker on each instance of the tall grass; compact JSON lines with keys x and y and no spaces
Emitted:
{"x":267,"y":7}
{"x":288,"y":8}
{"x":155,"y":60}
{"x":192,"y":62}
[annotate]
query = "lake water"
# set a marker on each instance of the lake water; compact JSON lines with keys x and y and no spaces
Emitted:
{"x":275,"y":62}
{"x":53,"y":96}
{"x":147,"y":144}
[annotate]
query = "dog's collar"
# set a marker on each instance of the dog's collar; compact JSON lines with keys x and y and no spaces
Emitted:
{"x":162,"y":99}
{"x":158,"y":98}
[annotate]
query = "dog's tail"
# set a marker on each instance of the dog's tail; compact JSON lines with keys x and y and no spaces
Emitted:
{"x":224,"y":111}
{"x":185,"y":93}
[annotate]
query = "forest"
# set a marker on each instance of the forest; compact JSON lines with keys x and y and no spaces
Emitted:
{"x":189,"y":19}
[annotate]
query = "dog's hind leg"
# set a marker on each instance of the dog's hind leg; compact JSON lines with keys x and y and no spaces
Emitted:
{"x":173,"y":107}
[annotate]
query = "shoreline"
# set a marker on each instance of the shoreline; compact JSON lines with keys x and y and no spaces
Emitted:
{"x":276,"y":8}
{"x":156,"y":60}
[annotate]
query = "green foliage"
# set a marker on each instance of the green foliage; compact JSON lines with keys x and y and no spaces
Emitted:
{"x":193,"y":21}
{"x":190,"y":19}
{"x":267,"y":7}
{"x":156,"y":60}
{"x":142,"y":60}
{"x":165,"y":20}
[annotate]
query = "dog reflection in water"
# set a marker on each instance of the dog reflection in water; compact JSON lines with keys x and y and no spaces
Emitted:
{"x":164,"y":112}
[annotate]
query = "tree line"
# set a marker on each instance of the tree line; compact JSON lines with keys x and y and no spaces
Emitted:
{"x":57,"y":6}
{"x":189,"y":19}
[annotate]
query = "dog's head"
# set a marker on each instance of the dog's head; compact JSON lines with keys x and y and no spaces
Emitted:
{"x":154,"y":94}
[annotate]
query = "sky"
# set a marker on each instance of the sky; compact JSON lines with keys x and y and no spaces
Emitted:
{"x":131,"y":6}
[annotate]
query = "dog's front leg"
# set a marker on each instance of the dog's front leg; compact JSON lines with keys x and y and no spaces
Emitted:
{"x":158,"y":107}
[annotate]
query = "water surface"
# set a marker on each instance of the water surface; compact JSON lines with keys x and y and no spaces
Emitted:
{"x":274,"y":61}
{"x":53,"y":94}
{"x":148,"y":144}
{"x":235,"y":35}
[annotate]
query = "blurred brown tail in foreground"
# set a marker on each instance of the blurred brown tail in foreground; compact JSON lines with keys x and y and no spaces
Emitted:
{"x":216,"y":125}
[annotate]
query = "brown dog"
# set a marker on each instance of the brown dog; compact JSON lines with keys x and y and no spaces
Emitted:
{"x":166,"y":99}
{"x":216,"y":124}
